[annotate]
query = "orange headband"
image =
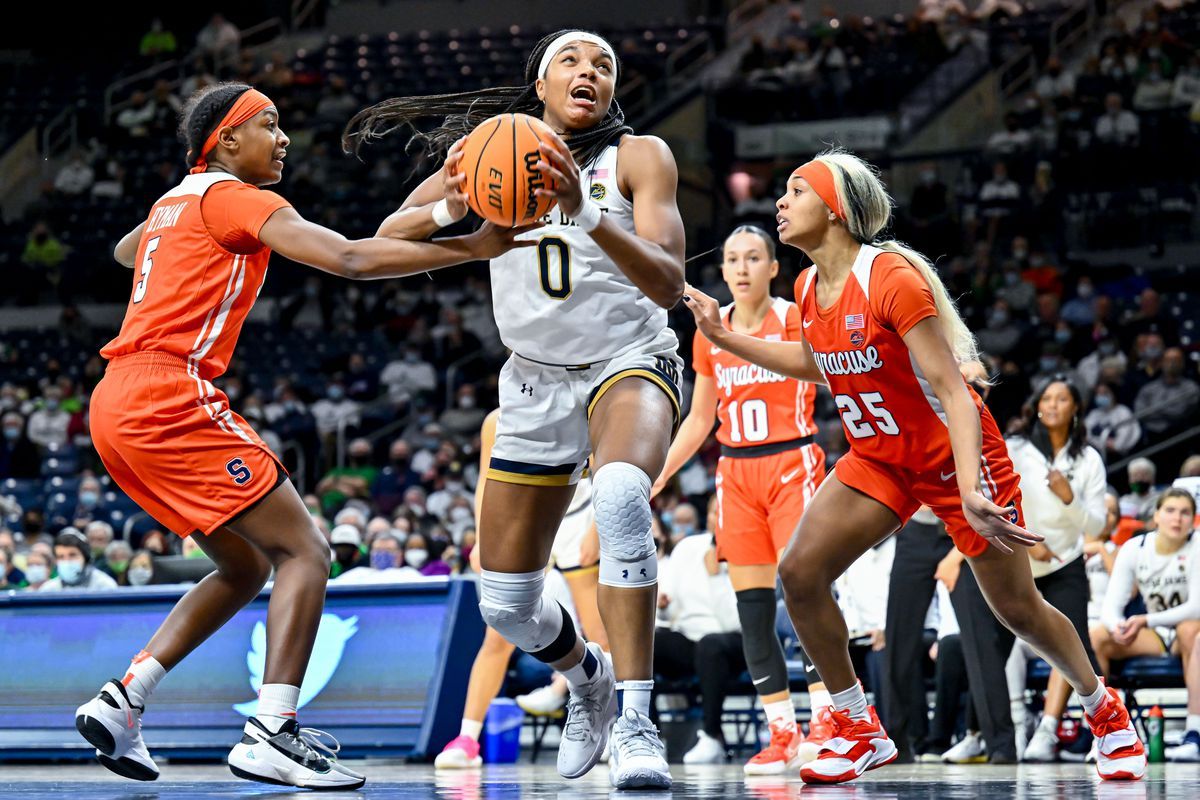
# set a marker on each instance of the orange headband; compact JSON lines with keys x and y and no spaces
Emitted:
{"x":250,"y":103}
{"x":820,"y":178}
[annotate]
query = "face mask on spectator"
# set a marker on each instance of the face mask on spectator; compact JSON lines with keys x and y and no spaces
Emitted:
{"x":12,"y":433}
{"x":416,"y":557}
{"x":70,"y":571}
{"x":335,"y":392}
{"x":89,"y":499}
{"x":454,"y":486}
{"x":1062,"y":336}
{"x":685,"y":530}
{"x":118,"y":566}
{"x":52,"y":405}
{"x":1104,"y":401}
{"x":1085,"y":290}
{"x":1151,"y":352}
{"x":998,"y":319}
{"x":1048,"y":363}
{"x":383,"y":559}
{"x":1107,"y":349}
{"x":140,"y":576}
{"x":1012,"y":278}
{"x":1139,"y":487}
{"x":466,"y":401}
{"x":37,"y":573}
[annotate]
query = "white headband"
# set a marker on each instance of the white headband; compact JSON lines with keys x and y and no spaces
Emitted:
{"x":573,"y":36}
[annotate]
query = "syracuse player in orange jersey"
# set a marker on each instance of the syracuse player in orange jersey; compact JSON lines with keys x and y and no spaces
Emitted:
{"x":169,"y":439}
{"x":769,"y":468}
{"x":884,"y":335}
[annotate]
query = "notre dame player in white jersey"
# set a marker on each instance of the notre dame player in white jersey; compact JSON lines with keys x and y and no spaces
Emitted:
{"x":594,"y":370}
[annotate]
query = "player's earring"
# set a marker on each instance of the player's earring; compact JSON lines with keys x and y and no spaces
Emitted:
{"x":1039,"y":415}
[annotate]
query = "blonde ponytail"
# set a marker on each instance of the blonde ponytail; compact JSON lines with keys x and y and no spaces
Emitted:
{"x":962,"y":341}
{"x":868,"y":209}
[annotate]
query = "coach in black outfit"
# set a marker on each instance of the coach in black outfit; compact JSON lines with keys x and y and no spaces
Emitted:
{"x":925,"y":554}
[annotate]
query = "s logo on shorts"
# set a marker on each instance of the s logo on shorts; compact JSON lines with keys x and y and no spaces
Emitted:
{"x":1013,"y":514}
{"x":238,"y":470}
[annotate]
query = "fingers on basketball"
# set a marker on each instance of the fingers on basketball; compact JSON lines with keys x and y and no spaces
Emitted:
{"x":500,"y":162}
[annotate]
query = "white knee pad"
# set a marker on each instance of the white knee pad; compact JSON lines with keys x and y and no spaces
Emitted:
{"x":621,"y":499}
{"x":512,"y":604}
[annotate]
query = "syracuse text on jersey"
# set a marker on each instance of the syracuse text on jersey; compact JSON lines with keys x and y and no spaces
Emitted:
{"x":743,"y":375}
{"x":848,"y":362}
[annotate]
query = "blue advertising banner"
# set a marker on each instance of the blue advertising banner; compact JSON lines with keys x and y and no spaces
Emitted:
{"x":387,"y":675}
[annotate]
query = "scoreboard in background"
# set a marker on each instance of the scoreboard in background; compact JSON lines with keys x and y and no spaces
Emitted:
{"x":388,"y":673}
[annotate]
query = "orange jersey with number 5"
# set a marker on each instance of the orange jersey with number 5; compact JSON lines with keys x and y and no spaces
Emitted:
{"x":889,"y":411}
{"x":756,"y":406}
{"x":198,"y":271}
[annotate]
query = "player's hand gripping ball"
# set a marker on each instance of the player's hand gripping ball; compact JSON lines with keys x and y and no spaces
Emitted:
{"x":499,"y":159}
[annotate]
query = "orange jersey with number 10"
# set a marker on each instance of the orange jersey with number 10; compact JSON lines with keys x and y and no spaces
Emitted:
{"x":756,"y":406}
{"x":197,"y":274}
{"x":889,"y":411}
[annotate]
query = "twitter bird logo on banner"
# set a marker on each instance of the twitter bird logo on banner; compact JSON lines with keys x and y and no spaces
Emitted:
{"x":332,"y":636}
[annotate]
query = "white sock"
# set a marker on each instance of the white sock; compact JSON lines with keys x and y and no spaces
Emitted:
{"x":1092,"y":702}
{"x":1049,"y":724}
{"x":781,"y":713}
{"x":143,"y":675}
{"x":852,"y":701}
{"x":635,"y":695}
{"x":819,"y":699}
{"x":471,"y":728}
{"x":1193,"y":722}
{"x":584,"y":673}
{"x":277,"y":704}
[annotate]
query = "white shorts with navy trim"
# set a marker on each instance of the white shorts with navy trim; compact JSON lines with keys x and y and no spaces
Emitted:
{"x":542,"y":434}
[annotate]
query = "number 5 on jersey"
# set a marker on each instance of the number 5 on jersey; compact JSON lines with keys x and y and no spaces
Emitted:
{"x":852,"y":415}
{"x":139,"y":291}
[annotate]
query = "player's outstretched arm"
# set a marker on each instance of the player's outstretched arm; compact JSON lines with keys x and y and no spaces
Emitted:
{"x":653,"y":257}
{"x":126,"y":250}
{"x":692,"y":431}
{"x":932,"y":352}
{"x":793,"y":359}
{"x":415,"y":221}
{"x":289,"y":234}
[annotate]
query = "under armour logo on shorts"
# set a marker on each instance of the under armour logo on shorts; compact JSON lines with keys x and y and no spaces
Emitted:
{"x":527,"y":389}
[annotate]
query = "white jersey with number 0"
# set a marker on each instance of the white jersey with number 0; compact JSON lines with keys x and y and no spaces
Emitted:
{"x":565,"y":301}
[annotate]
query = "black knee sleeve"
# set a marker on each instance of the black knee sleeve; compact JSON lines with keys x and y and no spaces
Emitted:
{"x":764,"y":654}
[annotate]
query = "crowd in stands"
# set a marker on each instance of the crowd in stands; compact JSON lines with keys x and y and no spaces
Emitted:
{"x":374,"y":395}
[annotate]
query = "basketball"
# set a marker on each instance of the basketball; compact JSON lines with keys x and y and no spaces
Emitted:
{"x":500,"y":159}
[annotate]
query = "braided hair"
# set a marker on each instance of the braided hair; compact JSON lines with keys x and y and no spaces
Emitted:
{"x":461,"y":112}
{"x":203,"y":111}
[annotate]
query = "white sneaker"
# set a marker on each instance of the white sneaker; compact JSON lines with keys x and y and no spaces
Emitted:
{"x":707,"y":750}
{"x":544,"y":702}
{"x":113,"y":725}
{"x":589,"y":721}
{"x":1188,"y":750}
{"x":639,"y":758}
{"x":290,"y":758}
{"x":1042,"y":747}
{"x":968,"y":750}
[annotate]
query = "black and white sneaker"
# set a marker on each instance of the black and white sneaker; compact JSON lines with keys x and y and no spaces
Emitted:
{"x":291,"y":758}
{"x":113,"y":725}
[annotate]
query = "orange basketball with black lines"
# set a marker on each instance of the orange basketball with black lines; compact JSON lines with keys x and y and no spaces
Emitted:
{"x":500,"y":159}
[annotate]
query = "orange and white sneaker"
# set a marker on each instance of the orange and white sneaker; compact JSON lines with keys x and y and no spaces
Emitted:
{"x":820,"y":731}
{"x":1120,"y":755}
{"x":781,"y":755}
{"x":855,"y":747}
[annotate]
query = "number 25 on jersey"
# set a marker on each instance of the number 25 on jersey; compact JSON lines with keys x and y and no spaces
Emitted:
{"x":852,"y":415}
